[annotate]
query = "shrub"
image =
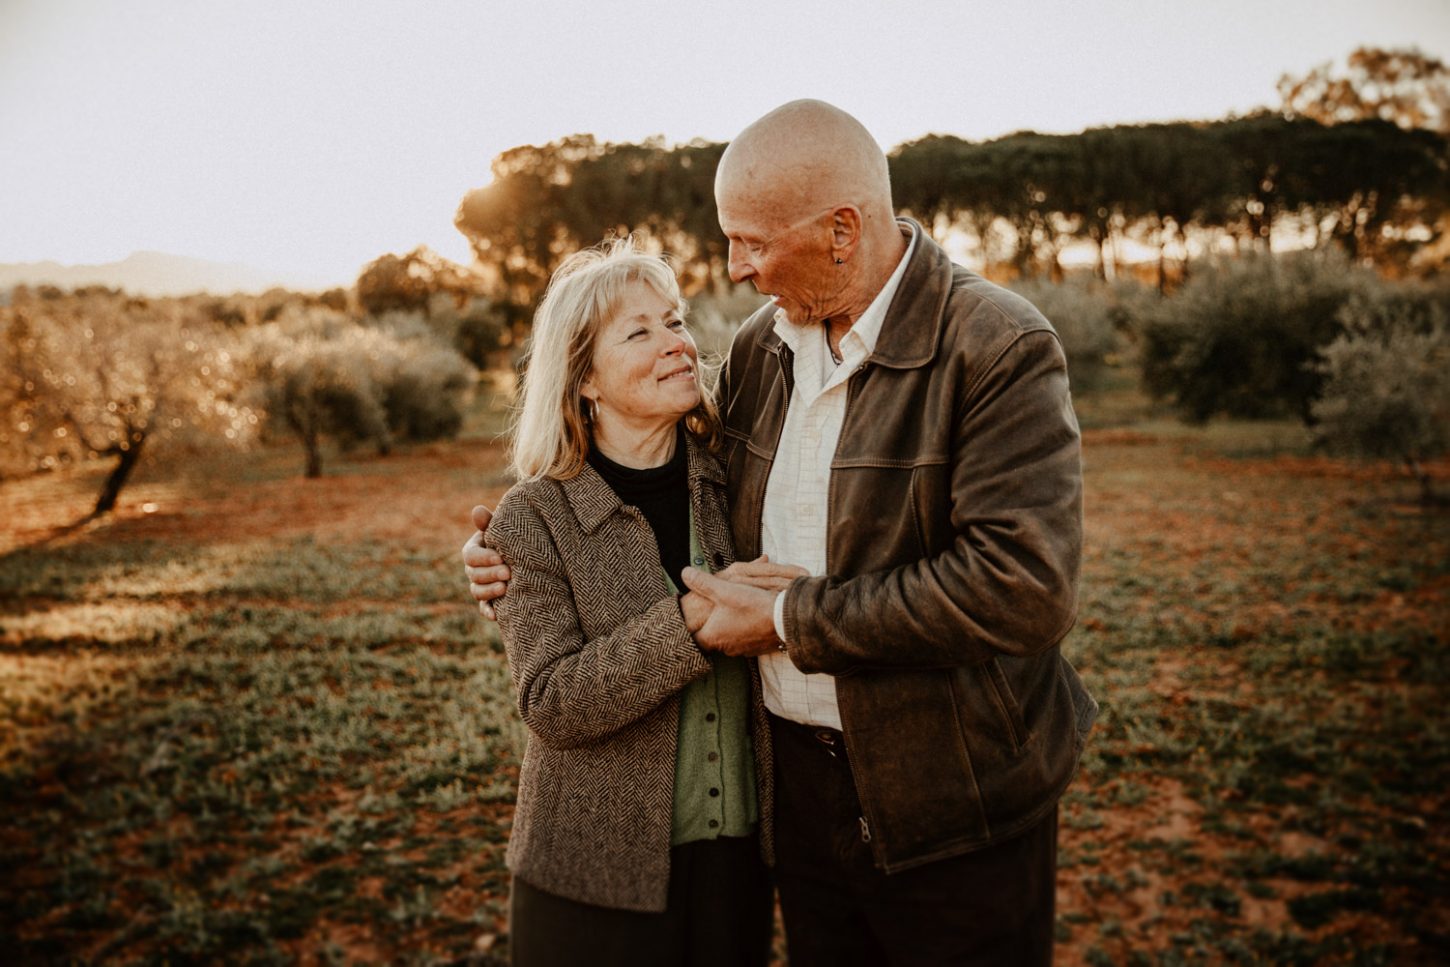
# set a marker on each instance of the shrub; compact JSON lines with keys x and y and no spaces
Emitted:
{"x":476,"y":329}
{"x":320,"y":374}
{"x":424,"y":390}
{"x":1387,"y":380}
{"x":1240,"y":336}
{"x":1087,"y":317}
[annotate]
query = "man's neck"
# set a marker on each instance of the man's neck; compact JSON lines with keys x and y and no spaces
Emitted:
{"x":882,"y":263}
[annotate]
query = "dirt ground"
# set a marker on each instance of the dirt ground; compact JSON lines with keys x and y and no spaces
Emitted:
{"x":1267,"y":782}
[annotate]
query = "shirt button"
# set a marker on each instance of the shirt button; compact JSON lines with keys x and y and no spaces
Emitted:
{"x":714,"y":823}
{"x":714,"y":792}
{"x":712,"y":757}
{"x":699,"y":562}
{"x":709,"y":716}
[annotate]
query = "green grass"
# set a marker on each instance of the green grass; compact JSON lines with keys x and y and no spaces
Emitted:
{"x":1277,"y":658}
{"x":205,"y":776}
{"x":269,"y":748}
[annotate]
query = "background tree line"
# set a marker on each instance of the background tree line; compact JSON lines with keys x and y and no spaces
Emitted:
{"x":1355,"y":159}
{"x":1374,"y":189}
{"x":1351,"y":175}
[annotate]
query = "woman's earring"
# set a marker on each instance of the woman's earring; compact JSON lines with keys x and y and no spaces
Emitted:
{"x":840,"y":261}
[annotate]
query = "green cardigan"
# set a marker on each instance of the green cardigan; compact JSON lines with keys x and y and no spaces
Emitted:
{"x":714,"y":762}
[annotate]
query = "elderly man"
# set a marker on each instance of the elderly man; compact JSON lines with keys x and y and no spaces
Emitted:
{"x":902,"y":429}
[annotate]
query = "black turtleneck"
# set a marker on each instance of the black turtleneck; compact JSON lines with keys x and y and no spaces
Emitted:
{"x":662,"y":494}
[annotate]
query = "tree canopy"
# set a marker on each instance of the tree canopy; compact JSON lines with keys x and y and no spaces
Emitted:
{"x":1403,"y":86}
{"x":1372,"y":187}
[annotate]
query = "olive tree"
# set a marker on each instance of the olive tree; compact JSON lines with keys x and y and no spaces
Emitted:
{"x":320,"y":374}
{"x":96,"y":374}
{"x":1387,"y":382}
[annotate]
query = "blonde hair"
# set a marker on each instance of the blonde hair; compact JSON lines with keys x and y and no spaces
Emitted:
{"x":551,"y":429}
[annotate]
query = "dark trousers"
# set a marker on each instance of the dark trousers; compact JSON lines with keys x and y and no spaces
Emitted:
{"x":718,"y":914}
{"x":990,"y":907}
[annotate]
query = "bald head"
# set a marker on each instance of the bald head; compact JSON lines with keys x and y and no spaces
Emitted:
{"x":804,"y":157}
{"x":804,"y":199}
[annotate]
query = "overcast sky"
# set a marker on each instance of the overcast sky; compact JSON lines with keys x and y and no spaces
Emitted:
{"x":310,"y":137}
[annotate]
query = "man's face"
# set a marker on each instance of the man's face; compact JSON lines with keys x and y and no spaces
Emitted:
{"x":788,"y":259}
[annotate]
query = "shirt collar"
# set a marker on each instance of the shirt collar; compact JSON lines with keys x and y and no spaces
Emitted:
{"x":867,"y":328}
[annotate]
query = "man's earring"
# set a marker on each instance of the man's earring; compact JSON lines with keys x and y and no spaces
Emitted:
{"x":840,"y":261}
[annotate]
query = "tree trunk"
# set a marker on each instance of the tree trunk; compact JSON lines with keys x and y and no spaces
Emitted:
{"x":1022,"y":253}
{"x":1183,"y":247}
{"x":119,"y":474}
{"x":313,"y":446}
{"x":1428,"y":497}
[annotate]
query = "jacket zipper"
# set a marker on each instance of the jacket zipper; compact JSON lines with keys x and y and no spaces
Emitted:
{"x":852,"y":384}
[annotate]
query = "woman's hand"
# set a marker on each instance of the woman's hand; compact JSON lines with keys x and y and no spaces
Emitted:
{"x":696,"y":610}
{"x":762,"y":573}
{"x":733,"y":617}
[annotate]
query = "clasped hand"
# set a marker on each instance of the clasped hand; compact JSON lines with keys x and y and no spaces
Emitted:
{"x":733,"y":612}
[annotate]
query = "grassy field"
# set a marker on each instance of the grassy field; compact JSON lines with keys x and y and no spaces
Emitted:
{"x":253,"y":718}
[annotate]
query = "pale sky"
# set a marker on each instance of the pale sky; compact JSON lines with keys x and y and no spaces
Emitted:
{"x":309,"y":137}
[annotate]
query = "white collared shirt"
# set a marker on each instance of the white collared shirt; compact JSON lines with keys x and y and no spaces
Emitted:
{"x":793,"y":523}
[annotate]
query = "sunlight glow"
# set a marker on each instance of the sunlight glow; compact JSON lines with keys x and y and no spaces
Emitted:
{"x":306,"y":140}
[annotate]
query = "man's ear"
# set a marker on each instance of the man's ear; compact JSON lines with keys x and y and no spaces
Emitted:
{"x":845,"y":231}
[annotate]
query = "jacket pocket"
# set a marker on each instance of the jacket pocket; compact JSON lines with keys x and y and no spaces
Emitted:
{"x":1006,"y":702}
{"x":991,"y":720}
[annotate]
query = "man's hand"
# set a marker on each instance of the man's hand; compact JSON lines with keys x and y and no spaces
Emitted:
{"x":487,"y":574}
{"x":738,"y":619}
{"x":762,"y":573}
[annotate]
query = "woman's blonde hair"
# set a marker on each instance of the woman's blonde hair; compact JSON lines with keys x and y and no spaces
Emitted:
{"x":552,"y":427}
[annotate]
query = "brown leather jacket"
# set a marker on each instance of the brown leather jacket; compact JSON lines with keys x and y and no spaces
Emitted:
{"x":955,"y":532}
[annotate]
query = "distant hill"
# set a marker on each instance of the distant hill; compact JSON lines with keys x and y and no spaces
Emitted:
{"x":155,"y":274}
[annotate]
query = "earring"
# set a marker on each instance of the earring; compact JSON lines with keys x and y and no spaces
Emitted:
{"x":840,"y":261}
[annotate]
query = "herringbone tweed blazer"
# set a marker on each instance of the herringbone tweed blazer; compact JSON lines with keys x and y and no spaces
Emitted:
{"x":598,"y":652}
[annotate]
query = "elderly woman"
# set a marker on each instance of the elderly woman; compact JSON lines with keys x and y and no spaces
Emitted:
{"x":647,"y":770}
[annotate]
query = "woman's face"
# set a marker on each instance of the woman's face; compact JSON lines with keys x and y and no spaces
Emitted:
{"x":644,"y":363}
